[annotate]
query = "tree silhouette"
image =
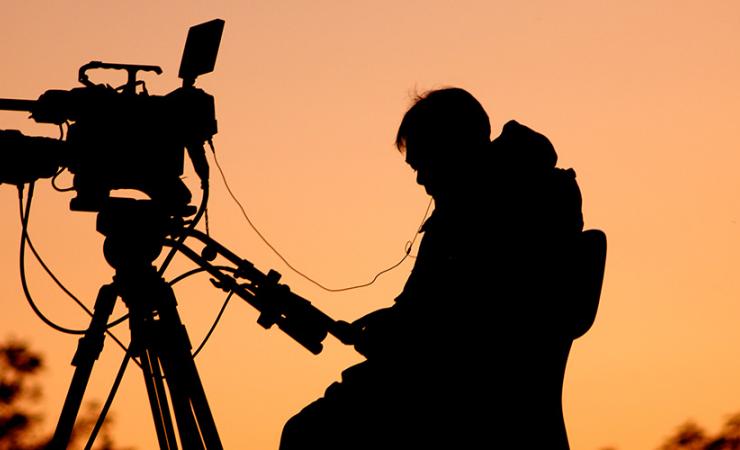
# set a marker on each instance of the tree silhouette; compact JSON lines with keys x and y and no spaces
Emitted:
{"x":691,"y":436}
{"x":20,"y":391}
{"x":688,"y":436}
{"x":19,"y":368}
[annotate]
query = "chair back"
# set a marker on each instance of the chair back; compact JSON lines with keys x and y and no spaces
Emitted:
{"x":588,"y":265}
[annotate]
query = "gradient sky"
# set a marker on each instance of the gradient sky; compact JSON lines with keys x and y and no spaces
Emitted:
{"x":641,"y":98}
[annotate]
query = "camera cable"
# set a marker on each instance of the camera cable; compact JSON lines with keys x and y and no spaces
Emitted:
{"x":24,"y":283}
{"x":108,"y":401}
{"x":223,"y":308}
{"x":407,"y":250}
{"x":198,"y":215}
{"x":42,"y":263}
{"x":215,"y":324}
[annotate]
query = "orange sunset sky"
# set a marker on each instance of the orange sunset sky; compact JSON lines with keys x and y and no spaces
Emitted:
{"x":641,"y":98}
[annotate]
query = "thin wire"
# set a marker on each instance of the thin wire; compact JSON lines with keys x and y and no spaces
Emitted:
{"x":215,"y":323}
{"x":71,"y":295}
{"x":27,"y":239}
{"x":53,"y":277}
{"x":181,"y":239}
{"x":223,"y":308}
{"x":208,"y":229}
{"x":118,"y":321}
{"x":61,"y":169}
{"x":108,"y":402}
{"x":24,"y":283}
{"x":407,"y":250}
{"x":192,"y":272}
{"x":54,"y":182}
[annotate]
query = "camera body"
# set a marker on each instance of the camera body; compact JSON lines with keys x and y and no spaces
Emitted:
{"x":121,"y":138}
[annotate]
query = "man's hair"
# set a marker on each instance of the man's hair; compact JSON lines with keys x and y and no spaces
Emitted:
{"x":451,"y":115}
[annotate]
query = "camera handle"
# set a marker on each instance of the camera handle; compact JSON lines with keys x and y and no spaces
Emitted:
{"x":131,"y":69}
{"x":276,"y":303}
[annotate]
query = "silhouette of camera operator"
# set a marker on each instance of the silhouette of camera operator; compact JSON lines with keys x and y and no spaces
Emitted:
{"x":473,"y":351}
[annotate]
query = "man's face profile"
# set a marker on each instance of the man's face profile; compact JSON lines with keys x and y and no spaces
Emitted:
{"x":436,"y":163}
{"x":418,"y":158}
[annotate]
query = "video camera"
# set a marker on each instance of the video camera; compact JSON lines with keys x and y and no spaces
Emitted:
{"x":121,"y":138}
{"x":124,"y":138}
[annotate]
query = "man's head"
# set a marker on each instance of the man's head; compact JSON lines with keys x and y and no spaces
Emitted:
{"x":439,"y":133}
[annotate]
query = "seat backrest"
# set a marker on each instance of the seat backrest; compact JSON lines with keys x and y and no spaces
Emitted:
{"x":589,"y":264}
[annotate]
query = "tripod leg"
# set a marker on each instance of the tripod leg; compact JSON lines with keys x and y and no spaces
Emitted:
{"x":88,"y":350}
{"x":187,"y":425}
{"x":203,"y":411}
{"x":159,"y":338}
{"x":158,"y":401}
{"x":194,"y":418}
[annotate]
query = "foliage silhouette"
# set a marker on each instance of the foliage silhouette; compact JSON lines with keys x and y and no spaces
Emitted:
{"x":691,"y":436}
{"x":19,"y":368}
{"x":20,"y":389}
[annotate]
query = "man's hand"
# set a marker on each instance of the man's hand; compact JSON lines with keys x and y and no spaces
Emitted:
{"x":375,"y":331}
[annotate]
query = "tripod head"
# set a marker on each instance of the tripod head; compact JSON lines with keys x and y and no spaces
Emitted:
{"x":135,"y":230}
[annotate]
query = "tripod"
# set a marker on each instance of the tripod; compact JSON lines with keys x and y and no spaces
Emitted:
{"x":135,"y":231}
